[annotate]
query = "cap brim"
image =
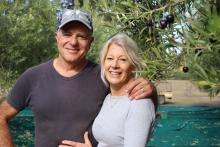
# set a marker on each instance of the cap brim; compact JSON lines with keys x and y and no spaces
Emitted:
{"x":78,"y":20}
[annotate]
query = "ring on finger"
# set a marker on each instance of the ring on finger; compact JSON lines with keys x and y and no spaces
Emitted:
{"x":142,"y":90}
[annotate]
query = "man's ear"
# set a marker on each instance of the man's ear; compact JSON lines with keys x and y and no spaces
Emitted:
{"x":92,"y":39}
{"x":55,"y":35}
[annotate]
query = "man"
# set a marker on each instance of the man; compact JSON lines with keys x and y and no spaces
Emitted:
{"x":65,"y":93}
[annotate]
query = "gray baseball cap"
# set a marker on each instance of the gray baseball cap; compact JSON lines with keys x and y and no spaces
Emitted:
{"x":76,"y":15}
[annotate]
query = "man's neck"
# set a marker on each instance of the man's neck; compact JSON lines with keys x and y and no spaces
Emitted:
{"x":68,"y":69}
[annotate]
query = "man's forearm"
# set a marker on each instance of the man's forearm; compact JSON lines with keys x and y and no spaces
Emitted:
{"x":155,"y":98}
{"x":5,"y":135}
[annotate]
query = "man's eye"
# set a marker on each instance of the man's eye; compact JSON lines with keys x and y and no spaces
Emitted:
{"x":81,"y":37}
{"x":66,"y":34}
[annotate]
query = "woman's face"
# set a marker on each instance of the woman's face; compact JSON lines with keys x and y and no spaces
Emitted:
{"x":117,"y":68}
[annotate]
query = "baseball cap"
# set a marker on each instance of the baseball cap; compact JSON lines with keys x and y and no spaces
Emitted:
{"x":76,"y":15}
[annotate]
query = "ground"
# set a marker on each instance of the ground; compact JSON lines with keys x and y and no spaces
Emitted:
{"x":192,"y":101}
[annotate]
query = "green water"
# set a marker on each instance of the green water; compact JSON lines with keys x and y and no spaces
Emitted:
{"x":177,"y":126}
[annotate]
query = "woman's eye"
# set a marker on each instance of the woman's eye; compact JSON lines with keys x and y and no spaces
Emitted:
{"x":123,"y":59}
{"x":109,"y":58}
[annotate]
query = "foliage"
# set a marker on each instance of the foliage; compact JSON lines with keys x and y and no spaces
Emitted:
{"x":195,"y":30}
{"x":202,"y":43}
{"x":7,"y":79}
{"x":26,"y":33}
{"x":170,"y":34}
{"x":159,"y":56}
{"x":141,"y":20}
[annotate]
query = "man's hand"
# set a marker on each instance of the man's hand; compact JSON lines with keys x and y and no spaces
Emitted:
{"x":140,"y":88}
{"x":68,"y":143}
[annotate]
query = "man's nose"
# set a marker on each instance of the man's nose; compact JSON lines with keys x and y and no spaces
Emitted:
{"x":73,"y":40}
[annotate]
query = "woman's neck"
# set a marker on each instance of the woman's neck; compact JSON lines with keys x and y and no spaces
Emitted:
{"x":119,"y":90}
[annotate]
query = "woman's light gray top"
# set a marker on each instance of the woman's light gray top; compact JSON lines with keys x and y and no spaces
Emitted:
{"x":123,"y":122}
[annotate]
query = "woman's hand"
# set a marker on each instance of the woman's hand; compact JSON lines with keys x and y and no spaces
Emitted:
{"x":68,"y":143}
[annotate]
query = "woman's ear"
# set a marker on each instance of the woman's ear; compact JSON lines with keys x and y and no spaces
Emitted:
{"x":133,"y":69}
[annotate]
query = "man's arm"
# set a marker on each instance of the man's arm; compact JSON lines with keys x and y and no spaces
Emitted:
{"x":6,"y":113}
{"x":141,"y":88}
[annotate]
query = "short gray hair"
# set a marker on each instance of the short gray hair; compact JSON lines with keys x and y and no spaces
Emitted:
{"x":128,"y":45}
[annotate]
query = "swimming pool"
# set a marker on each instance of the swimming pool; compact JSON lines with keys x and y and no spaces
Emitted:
{"x":177,"y":126}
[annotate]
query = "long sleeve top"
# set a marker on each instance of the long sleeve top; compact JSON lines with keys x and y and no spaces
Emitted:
{"x":123,"y":122}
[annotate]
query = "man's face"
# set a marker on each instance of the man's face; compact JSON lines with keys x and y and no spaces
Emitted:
{"x":73,"y":41}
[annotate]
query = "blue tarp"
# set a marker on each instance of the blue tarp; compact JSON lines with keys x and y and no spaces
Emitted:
{"x":176,"y":126}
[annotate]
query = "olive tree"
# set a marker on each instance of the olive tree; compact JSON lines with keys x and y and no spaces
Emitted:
{"x":26,"y":33}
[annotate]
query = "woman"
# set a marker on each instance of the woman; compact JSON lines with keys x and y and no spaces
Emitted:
{"x":121,"y":122}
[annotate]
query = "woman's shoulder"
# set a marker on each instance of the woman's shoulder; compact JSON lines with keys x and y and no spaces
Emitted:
{"x":145,"y":101}
{"x":142,"y":105}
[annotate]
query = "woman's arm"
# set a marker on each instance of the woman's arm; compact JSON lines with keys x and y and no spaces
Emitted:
{"x":139,"y":123}
{"x":141,"y":88}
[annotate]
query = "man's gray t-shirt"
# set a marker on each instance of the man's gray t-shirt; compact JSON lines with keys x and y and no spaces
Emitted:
{"x":123,"y":122}
{"x":64,"y":108}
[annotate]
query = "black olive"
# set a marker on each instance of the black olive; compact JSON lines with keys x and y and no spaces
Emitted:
{"x":170,"y":18}
{"x":185,"y":69}
{"x":163,"y":24}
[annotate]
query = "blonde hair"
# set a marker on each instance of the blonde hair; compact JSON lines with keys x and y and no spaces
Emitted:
{"x":128,"y":45}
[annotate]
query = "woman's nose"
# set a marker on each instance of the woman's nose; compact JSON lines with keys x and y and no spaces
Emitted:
{"x":114,"y":63}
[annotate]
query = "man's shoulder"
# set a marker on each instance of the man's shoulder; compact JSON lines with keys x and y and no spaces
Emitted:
{"x":44,"y":65}
{"x":38,"y":69}
{"x":92,"y":66}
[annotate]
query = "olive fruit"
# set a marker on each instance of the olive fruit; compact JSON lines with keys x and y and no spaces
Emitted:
{"x":170,"y":18}
{"x":163,"y":23}
{"x":185,"y":69}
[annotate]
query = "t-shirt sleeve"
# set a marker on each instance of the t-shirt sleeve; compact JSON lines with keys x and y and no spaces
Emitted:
{"x":139,"y":123}
{"x":19,"y":95}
